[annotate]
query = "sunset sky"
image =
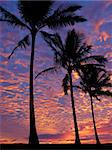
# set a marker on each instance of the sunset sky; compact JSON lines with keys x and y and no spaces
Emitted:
{"x":54,"y":120}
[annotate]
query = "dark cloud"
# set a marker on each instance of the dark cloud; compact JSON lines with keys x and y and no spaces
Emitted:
{"x":50,"y":136}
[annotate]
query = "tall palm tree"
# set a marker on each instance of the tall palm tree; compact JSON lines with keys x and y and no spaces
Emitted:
{"x":34,"y":15}
{"x":70,"y":55}
{"x":93,"y":81}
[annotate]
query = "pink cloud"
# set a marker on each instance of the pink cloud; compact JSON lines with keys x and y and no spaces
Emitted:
{"x":104,"y":36}
{"x":98,"y":24}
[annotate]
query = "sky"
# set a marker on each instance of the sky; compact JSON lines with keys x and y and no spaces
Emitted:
{"x":54,"y":120}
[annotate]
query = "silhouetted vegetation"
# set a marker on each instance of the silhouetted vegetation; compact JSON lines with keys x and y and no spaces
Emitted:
{"x":72,"y":55}
{"x":94,"y":80}
{"x":34,"y":16}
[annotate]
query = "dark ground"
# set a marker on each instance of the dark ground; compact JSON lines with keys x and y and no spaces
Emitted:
{"x":55,"y":147}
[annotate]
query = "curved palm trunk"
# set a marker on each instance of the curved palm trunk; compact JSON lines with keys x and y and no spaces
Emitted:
{"x":77,"y":139}
{"x":33,"y":138}
{"x":96,"y":135}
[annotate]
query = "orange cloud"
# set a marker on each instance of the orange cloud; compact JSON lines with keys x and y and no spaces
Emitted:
{"x":98,"y":24}
{"x":104,"y":36}
{"x":22,"y":63}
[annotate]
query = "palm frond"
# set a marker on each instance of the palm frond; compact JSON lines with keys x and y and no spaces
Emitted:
{"x":71,"y":9}
{"x":99,"y":58}
{"x":62,"y":17}
{"x":85,"y":49}
{"x":54,"y":41}
{"x":47,"y":38}
{"x":46,"y":70}
{"x":102,"y":76}
{"x":22,"y":44}
{"x":6,"y":16}
{"x":65,"y":84}
{"x":104,"y":81}
{"x":90,"y":65}
{"x":83,"y":86}
{"x":97,"y":98}
{"x":52,"y":44}
{"x":103,"y":93}
{"x":108,"y":85}
{"x":59,"y":42}
{"x":62,"y":21}
{"x":73,"y":41}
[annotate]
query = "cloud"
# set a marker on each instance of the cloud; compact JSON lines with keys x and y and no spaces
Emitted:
{"x":104,"y":36}
{"x":54,"y":120}
{"x":98,"y":24}
{"x":10,"y":134}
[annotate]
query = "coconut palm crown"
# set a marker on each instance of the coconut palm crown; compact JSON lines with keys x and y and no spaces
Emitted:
{"x":96,"y":82}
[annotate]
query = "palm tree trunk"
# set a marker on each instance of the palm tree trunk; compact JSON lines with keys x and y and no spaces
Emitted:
{"x":96,"y":135}
{"x":33,"y":138}
{"x":77,"y":139}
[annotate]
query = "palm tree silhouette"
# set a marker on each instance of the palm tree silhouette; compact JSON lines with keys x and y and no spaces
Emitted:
{"x":34,"y":16}
{"x":93,"y":81}
{"x":70,"y":55}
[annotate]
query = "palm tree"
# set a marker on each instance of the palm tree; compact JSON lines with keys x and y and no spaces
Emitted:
{"x":93,"y":81}
{"x":70,"y":55}
{"x":34,"y":19}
